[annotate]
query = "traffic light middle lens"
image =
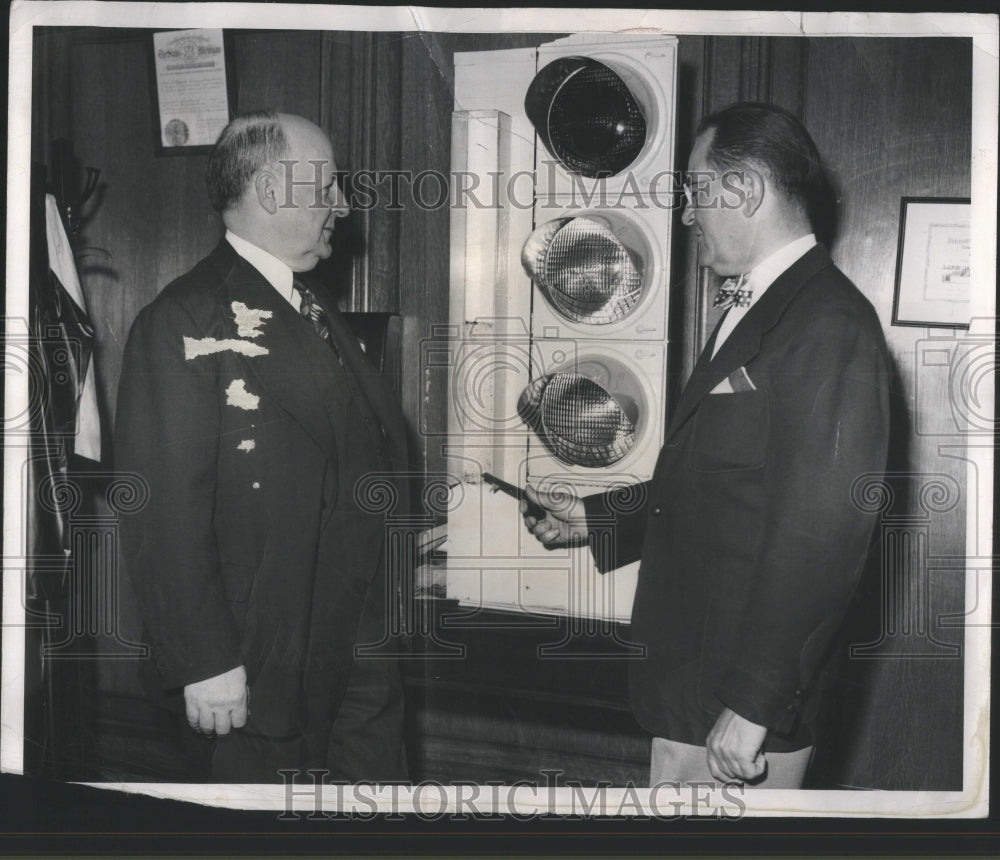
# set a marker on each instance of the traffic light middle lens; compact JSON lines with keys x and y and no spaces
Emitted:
{"x":585,"y":271}
{"x":591,"y":275}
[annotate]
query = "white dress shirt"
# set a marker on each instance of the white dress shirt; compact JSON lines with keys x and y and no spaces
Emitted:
{"x":276,"y":273}
{"x":760,"y":277}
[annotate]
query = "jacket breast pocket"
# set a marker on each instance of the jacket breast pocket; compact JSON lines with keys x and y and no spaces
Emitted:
{"x":730,"y":432}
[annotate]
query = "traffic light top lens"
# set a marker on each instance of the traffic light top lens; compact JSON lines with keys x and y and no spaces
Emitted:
{"x":586,"y":116}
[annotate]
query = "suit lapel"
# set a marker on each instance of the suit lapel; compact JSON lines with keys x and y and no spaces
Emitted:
{"x":372,"y":387}
{"x":743,"y":342}
{"x":296,"y":361}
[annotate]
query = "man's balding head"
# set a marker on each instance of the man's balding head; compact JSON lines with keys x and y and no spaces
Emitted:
{"x":273,"y":178}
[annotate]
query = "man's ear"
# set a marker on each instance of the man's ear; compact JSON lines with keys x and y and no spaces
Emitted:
{"x":754,"y":189}
{"x":266,"y":187}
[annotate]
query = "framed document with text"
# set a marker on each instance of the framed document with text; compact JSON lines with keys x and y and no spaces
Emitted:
{"x":933,"y":271}
{"x":192,"y":95}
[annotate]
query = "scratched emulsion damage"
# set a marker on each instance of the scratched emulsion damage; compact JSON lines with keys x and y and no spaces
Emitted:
{"x":238,"y":396}
{"x":247,"y":445}
{"x":249,"y":320}
{"x":195,"y":347}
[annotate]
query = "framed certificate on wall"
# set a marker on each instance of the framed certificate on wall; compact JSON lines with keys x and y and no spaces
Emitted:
{"x":933,"y":272}
{"x":192,"y":96}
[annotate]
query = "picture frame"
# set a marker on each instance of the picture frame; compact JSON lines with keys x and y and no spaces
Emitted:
{"x":193,"y":91}
{"x":933,"y":263}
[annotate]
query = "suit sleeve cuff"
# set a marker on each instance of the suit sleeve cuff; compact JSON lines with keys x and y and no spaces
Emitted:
{"x":616,"y":526}
{"x":177,"y":668}
{"x":761,"y":701}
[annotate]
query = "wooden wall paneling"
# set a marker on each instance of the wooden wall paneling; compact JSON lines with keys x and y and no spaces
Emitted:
{"x":278,"y":70}
{"x":359,"y":107}
{"x":149,"y":221}
{"x":360,"y":89}
{"x":904,"y":132}
{"x":788,"y":73}
{"x":346,"y":99}
{"x":385,"y":147}
{"x":727,"y":60}
{"x":51,"y":111}
{"x":336,"y":66}
{"x":722,"y":64}
{"x":755,"y":69}
{"x":342,"y":64}
{"x":684,"y":320}
{"x":425,"y":144}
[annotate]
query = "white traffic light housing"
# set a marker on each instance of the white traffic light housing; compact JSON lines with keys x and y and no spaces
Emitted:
{"x":603,"y":109}
{"x":559,"y":300}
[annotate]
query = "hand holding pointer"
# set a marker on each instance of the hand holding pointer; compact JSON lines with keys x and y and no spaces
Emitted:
{"x":556,"y":518}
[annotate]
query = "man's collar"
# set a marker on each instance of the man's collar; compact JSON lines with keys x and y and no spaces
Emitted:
{"x":759,"y":278}
{"x":767,"y":271}
{"x":275,"y":272}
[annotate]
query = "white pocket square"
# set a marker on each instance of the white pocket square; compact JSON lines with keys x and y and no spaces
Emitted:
{"x":737,"y":381}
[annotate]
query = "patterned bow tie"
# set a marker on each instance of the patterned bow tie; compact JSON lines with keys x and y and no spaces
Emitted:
{"x":733,"y":293}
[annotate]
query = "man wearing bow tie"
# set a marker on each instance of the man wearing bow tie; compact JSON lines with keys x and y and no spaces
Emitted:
{"x":250,"y":411}
{"x":749,"y":541}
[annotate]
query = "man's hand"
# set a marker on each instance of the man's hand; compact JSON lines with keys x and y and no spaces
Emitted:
{"x":218,"y":704}
{"x":734,"y":748}
{"x":563,"y":521}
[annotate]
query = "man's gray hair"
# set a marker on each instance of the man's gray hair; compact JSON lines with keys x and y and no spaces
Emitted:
{"x":245,"y":145}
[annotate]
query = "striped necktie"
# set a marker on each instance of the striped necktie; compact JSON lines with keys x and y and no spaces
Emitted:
{"x":311,"y":309}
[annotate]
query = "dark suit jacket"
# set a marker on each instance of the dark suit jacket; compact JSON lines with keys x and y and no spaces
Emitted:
{"x":254,"y":547}
{"x":750,"y":543}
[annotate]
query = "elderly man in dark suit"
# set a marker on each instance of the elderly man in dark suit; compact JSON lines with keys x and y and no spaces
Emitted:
{"x":249,"y":409}
{"x":750,"y":544}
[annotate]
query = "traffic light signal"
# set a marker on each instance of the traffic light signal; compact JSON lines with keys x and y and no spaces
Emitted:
{"x":559,"y":292}
{"x":598,"y":258}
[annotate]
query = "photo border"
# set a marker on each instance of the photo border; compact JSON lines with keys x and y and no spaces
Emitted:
{"x":815,"y":24}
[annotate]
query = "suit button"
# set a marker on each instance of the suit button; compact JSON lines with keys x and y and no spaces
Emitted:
{"x":656,"y":511}
{"x":792,"y":708}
